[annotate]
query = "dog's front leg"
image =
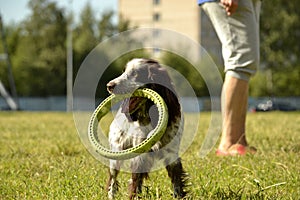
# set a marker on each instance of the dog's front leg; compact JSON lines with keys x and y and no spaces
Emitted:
{"x":117,"y":141}
{"x":112,"y":183}
{"x":140,"y":166}
{"x":136,"y":182}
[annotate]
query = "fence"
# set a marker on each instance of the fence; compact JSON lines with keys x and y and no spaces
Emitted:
{"x":188,"y":104}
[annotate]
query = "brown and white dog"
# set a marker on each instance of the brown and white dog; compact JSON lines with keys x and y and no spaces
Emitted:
{"x":136,"y":118}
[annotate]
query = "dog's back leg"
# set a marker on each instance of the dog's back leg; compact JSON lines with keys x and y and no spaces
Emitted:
{"x":112,"y":183}
{"x":178,"y":178}
{"x":136,"y":184}
{"x":140,"y":166}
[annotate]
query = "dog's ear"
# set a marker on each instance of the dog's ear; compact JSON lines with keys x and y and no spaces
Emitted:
{"x":162,"y":84}
{"x":158,"y":75}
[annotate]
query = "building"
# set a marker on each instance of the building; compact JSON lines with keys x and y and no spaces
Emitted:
{"x":185,"y":17}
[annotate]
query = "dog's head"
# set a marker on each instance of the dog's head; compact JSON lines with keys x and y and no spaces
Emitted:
{"x":138,"y":73}
{"x":144,"y":73}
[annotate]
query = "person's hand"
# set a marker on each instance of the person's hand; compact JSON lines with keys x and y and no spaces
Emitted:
{"x":230,"y":6}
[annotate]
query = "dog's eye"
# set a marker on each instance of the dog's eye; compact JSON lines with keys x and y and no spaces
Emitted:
{"x":133,"y":74}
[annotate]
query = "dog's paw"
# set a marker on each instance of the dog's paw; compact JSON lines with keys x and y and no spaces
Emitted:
{"x":156,"y":147}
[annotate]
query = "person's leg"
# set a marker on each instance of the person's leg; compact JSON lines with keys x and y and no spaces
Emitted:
{"x":234,"y":109}
{"x":240,"y":46}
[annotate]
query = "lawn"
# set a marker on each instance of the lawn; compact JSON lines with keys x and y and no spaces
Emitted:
{"x":41,"y":157}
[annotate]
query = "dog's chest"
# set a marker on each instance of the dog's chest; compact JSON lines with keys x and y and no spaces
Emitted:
{"x":124,"y":132}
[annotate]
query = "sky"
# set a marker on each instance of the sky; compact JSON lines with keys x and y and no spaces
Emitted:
{"x":14,"y":11}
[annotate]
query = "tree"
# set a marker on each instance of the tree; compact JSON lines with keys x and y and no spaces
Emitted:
{"x":38,"y":52}
{"x":90,"y":32}
{"x":106,"y":27}
{"x":280,"y":50}
{"x":280,"y":33}
{"x":187,"y":70}
{"x":11,"y":35}
{"x":38,"y":46}
{"x":40,"y":55}
{"x":84,"y":36}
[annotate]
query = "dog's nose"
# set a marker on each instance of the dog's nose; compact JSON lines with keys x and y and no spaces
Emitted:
{"x":110,"y":86}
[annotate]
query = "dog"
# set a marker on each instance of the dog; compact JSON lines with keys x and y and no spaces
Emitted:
{"x":136,"y":118}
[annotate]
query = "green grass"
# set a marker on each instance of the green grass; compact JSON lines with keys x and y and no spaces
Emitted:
{"x":41,"y":157}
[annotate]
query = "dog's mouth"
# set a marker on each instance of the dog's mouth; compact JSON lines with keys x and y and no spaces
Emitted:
{"x":132,"y":104}
{"x":114,"y":88}
{"x":121,"y":90}
{"x":129,"y":105}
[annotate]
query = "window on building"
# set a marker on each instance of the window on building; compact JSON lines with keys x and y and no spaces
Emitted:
{"x":156,"y":2}
{"x":156,"y":17}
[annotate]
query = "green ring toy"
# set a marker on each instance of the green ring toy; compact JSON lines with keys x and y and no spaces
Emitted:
{"x":144,"y":146}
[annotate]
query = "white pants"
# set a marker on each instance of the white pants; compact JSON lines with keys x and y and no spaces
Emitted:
{"x":239,"y":35}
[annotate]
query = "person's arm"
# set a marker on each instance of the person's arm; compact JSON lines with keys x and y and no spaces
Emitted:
{"x":230,"y":6}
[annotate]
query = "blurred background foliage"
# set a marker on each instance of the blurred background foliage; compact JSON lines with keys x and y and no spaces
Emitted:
{"x":37,"y":48}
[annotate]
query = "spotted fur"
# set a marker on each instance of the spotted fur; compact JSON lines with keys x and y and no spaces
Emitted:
{"x":135,"y":120}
